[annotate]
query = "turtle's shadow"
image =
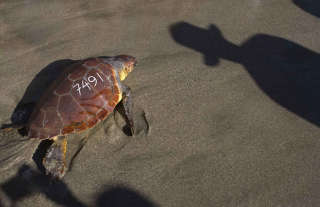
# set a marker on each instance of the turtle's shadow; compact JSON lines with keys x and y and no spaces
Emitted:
{"x":36,"y":89}
{"x":27,"y":182}
{"x":286,"y":71}
{"x":26,"y":105}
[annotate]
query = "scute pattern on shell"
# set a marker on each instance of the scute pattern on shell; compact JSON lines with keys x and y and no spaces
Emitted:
{"x":64,"y":110}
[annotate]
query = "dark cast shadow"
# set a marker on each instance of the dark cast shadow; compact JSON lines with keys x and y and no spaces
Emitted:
{"x":121,"y":196}
{"x":28,"y":182}
{"x":310,"y":6}
{"x":286,"y":71}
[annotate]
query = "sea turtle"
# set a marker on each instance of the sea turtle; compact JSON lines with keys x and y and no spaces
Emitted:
{"x":82,"y":96}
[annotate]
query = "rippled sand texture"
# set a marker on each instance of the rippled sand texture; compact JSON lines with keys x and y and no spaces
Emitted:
{"x":225,"y":93}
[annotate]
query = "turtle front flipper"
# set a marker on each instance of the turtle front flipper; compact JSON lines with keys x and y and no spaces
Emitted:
{"x":127,"y":106}
{"x":55,"y":160}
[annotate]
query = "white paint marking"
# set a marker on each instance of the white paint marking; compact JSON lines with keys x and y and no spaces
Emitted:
{"x":100,"y":77}
{"x":78,"y":88}
{"x":87,"y":83}
{"x":92,"y":79}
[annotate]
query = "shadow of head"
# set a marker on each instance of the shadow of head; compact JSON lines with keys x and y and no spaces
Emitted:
{"x":36,"y":89}
{"x":310,"y":6}
{"x":120,"y":196}
{"x":207,"y":41}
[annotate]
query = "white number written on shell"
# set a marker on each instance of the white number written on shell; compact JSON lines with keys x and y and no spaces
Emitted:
{"x":91,"y":81}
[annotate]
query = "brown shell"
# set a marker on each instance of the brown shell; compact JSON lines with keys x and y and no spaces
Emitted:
{"x":84,"y":95}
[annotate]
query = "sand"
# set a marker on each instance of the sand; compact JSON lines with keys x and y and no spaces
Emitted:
{"x":225,"y":95}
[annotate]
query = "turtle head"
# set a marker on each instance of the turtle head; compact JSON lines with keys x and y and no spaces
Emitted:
{"x":123,"y":64}
{"x":128,"y":63}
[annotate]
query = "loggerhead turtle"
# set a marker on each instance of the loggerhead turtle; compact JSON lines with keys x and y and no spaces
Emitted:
{"x":82,"y":96}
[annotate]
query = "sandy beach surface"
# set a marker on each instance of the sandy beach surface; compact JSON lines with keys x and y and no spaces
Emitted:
{"x":226,"y":101}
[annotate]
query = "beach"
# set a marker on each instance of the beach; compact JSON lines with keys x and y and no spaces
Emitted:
{"x":225,"y":94}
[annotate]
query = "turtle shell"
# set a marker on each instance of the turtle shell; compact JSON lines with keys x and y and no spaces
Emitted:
{"x":85,"y":94}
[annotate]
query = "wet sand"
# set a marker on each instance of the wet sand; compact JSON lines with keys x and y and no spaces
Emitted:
{"x":225,"y":95}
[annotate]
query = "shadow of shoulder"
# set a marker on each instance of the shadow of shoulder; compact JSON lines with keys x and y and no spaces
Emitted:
{"x":122,"y":196}
{"x":310,"y":6}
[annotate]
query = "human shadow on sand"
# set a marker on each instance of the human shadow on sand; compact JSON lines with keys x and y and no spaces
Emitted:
{"x":287,"y":72}
{"x":310,"y":6}
{"x":28,"y":182}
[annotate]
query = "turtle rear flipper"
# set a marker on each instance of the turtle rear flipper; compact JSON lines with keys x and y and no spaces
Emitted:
{"x":9,"y":127}
{"x":55,"y":160}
